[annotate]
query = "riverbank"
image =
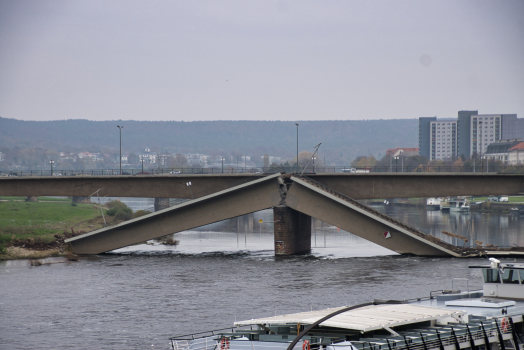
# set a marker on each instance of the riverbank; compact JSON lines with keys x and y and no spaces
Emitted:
{"x":36,"y":230}
{"x":497,"y":207}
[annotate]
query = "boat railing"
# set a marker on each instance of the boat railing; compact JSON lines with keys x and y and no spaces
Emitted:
{"x":438,"y":338}
{"x":228,"y":342}
{"x":459,"y":279}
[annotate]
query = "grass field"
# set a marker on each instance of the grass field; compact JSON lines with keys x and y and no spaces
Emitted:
{"x":41,"y":219}
{"x":514,"y":199}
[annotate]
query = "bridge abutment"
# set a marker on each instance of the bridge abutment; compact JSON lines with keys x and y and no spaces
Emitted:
{"x":161,"y":203}
{"x":292,"y":231}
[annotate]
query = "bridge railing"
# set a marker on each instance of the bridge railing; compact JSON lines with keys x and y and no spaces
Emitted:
{"x":503,"y":169}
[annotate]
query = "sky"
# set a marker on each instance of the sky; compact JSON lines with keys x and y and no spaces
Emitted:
{"x":259,"y":60}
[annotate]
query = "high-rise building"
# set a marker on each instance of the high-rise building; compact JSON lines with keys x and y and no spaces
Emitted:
{"x":443,"y":139}
{"x":469,"y":134}
{"x":424,"y":135}
{"x":464,"y":140}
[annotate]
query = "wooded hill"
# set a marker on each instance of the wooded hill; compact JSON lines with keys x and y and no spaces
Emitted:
{"x":342,"y":140}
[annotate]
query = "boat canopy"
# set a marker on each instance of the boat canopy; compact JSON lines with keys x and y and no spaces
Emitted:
{"x":363,"y":319}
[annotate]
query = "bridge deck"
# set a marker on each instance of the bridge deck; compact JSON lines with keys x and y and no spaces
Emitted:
{"x":320,"y":201}
{"x":259,"y":194}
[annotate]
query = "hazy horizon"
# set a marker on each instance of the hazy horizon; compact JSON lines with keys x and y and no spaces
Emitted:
{"x":267,"y":61}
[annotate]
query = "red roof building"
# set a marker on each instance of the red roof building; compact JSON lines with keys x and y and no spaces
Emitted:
{"x":516,"y":154}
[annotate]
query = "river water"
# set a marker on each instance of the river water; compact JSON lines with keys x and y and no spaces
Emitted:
{"x":137,"y":297}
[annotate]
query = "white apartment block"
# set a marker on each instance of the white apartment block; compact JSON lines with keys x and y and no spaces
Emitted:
{"x":443,"y":136}
{"x":485,"y":129}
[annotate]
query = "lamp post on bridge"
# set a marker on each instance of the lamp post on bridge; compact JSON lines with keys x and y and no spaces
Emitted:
{"x":297,"y":146}
{"x":480,"y":148}
{"x":51,"y":162}
{"x":396,"y":163}
{"x":120,"y":128}
{"x":222,"y":159}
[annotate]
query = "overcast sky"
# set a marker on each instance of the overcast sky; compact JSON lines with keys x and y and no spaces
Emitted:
{"x":259,"y":60}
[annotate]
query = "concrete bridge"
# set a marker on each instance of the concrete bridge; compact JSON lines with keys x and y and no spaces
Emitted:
{"x":294,"y":199}
{"x":356,"y":186}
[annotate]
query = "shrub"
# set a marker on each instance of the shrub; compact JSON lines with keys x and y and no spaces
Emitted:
{"x":119,"y":210}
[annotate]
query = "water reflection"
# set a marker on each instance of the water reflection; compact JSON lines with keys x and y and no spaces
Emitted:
{"x":254,"y":232}
{"x":500,"y":229}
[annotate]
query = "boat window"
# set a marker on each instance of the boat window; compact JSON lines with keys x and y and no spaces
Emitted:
{"x":491,"y":276}
{"x":510,"y":276}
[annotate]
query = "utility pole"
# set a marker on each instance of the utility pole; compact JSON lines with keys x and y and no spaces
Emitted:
{"x":120,"y":128}
{"x":297,"y":146}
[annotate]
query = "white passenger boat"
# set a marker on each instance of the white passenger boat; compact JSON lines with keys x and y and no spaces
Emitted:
{"x":488,"y":319}
{"x":458,"y":205}
{"x":433,"y":203}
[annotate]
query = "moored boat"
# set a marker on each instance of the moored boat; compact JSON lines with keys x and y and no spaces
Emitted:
{"x":488,"y":319}
{"x":456,"y":205}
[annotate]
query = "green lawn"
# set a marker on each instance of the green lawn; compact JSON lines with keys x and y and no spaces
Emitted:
{"x":41,"y":219}
{"x":514,"y":199}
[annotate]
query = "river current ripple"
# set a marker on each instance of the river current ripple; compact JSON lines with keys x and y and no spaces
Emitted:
{"x":138,"y":297}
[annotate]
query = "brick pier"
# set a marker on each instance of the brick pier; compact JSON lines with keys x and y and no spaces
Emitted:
{"x":292,"y":231}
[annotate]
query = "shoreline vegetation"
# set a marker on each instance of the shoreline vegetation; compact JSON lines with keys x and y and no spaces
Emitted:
{"x":37,"y":230}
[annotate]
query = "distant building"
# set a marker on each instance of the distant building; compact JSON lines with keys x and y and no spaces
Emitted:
{"x":516,"y":154}
{"x":271,"y":159}
{"x":147,"y":156}
{"x":405,"y":151}
{"x":444,"y":134}
{"x":469,"y":134}
{"x":163,"y":158}
{"x":68,"y":157}
{"x":95,"y":157}
{"x":196,"y":158}
{"x":500,"y":150}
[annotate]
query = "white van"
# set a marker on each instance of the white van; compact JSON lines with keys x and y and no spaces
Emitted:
{"x":503,"y":199}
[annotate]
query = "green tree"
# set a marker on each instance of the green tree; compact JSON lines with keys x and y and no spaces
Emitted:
{"x":132,"y":158}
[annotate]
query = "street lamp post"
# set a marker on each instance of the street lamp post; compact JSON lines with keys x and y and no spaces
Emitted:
{"x":142,"y":159}
{"x":222,"y":159}
{"x":51,"y":162}
{"x":314,"y":164}
{"x":396,"y":163}
{"x":120,"y":128}
{"x":480,"y":148}
{"x":297,"y":146}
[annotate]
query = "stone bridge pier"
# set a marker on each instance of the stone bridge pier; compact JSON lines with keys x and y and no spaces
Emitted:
{"x":292,"y":231}
{"x":161,"y":203}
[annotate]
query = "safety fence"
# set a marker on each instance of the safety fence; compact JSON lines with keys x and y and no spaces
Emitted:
{"x":485,"y":168}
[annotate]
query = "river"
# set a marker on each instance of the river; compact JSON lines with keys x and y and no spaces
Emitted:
{"x":137,"y":297}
